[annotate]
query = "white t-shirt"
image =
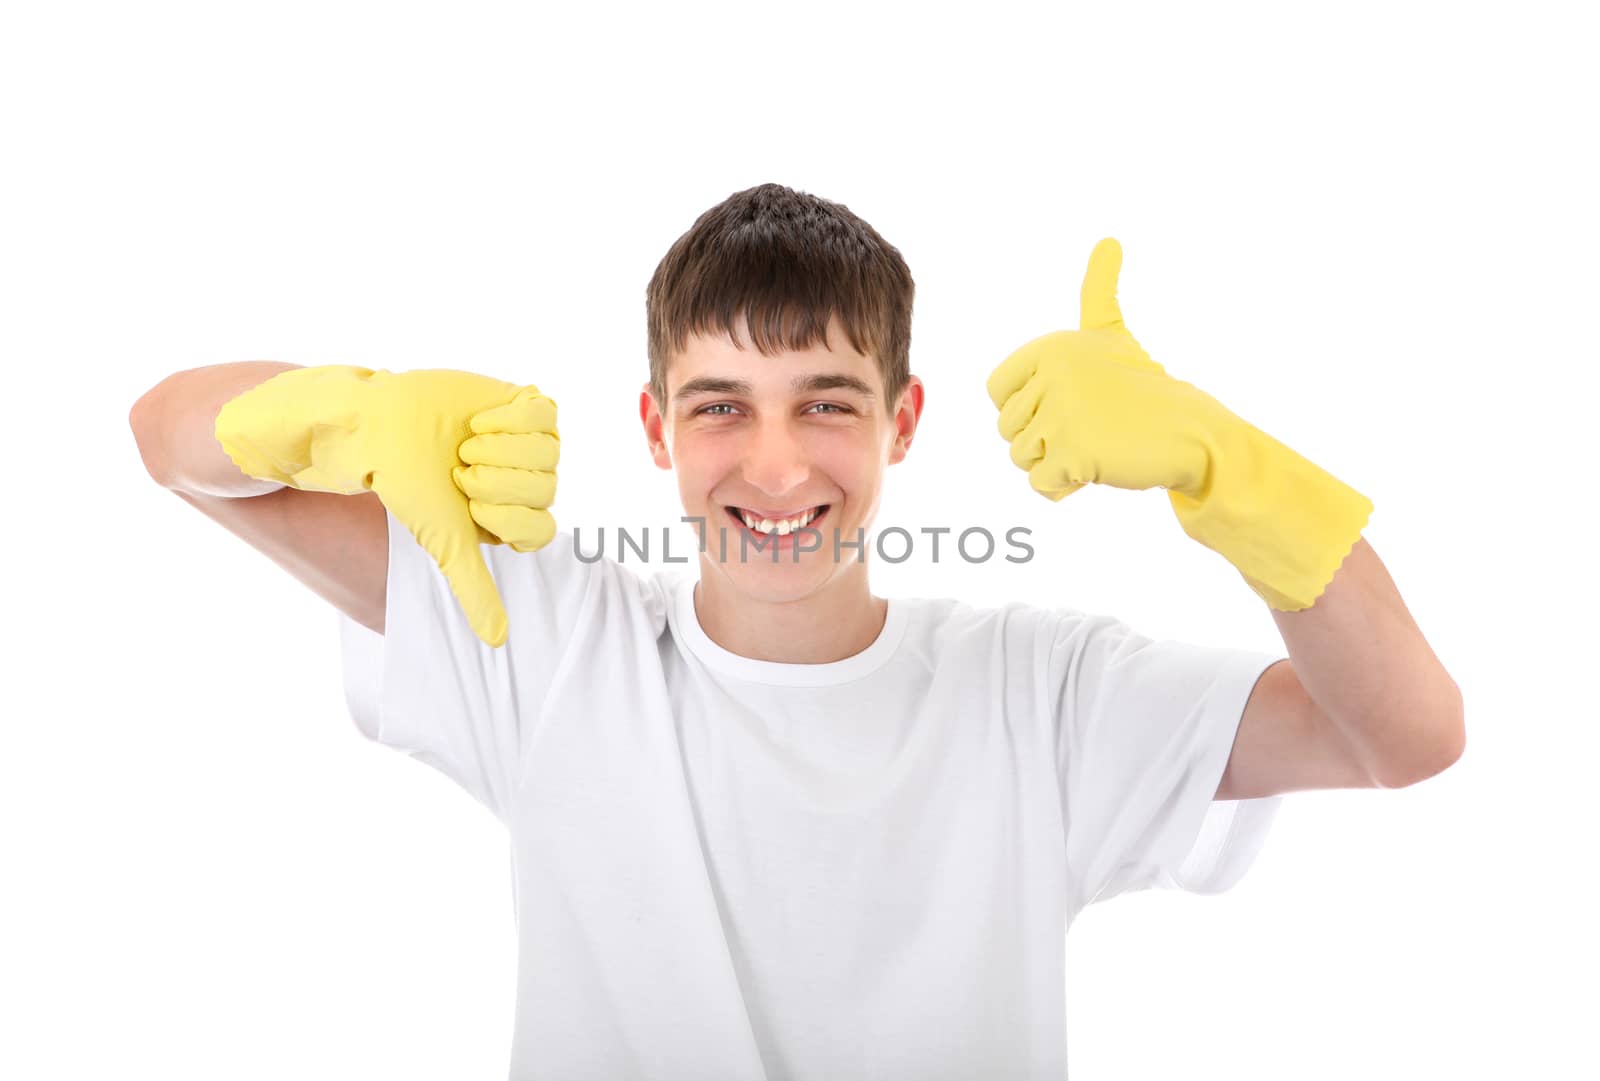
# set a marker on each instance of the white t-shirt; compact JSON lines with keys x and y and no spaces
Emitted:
{"x":732,"y":868}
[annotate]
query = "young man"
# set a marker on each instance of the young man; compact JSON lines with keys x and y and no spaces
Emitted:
{"x":764,"y":823}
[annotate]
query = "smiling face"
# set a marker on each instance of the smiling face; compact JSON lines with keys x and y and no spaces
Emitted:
{"x":780,"y":436}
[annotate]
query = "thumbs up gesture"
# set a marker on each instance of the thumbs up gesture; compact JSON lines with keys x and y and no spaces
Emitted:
{"x":1089,"y":406}
{"x":459,"y":459}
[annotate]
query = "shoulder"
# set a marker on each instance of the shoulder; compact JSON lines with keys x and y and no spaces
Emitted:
{"x":953,"y":630}
{"x":574,"y":578}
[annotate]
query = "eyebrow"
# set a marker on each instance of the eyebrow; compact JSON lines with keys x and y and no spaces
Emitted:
{"x":801,"y":384}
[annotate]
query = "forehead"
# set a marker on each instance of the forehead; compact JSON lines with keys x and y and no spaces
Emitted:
{"x":715,"y":354}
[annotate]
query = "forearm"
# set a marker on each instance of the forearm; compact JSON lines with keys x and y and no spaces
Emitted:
{"x":174,"y":424}
{"x":1364,"y":662}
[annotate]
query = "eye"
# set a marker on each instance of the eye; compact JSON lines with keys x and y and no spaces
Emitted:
{"x":835,"y":408}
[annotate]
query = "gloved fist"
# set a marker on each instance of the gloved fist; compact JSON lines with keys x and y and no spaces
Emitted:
{"x":344,"y":429}
{"x":1089,"y":406}
{"x":510,"y":476}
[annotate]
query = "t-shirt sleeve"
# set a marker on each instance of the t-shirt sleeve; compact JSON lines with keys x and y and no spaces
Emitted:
{"x":1143,"y":733}
{"x":429,"y":687}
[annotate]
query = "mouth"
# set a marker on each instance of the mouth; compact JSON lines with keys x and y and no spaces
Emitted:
{"x":768,"y":531}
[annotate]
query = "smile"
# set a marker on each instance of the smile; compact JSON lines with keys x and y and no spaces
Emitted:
{"x":762,"y":525}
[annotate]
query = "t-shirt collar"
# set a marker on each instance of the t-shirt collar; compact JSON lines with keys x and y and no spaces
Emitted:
{"x":686,"y":627}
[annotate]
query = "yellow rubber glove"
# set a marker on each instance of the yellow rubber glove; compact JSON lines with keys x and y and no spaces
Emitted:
{"x":459,"y":459}
{"x":1089,"y":406}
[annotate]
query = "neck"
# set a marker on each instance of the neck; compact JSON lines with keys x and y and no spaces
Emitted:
{"x":839,"y":620}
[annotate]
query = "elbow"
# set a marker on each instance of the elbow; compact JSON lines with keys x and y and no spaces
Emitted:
{"x":1446,"y":743}
{"x":144,"y":420}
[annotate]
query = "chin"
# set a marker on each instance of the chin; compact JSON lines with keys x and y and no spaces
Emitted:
{"x":760,"y":579}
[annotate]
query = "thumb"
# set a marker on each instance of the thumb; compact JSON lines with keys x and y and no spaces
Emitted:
{"x":1098,"y":309}
{"x":472,"y":584}
{"x":451,"y":538}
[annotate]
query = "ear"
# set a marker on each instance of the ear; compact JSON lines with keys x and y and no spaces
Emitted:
{"x":908,"y":412}
{"x":654,"y":429}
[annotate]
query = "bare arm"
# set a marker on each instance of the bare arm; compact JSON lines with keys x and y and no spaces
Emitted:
{"x":1362,"y":702}
{"x":336,"y":544}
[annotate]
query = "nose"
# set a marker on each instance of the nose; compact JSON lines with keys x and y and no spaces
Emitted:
{"x":775,"y":461}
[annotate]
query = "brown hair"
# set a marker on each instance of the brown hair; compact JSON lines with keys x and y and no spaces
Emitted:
{"x":787,"y":261}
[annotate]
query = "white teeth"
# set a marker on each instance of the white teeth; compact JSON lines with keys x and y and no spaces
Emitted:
{"x":783,"y":527}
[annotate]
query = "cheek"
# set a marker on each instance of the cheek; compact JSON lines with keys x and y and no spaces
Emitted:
{"x":854,"y":467}
{"x":851,"y":458}
{"x":700,"y":461}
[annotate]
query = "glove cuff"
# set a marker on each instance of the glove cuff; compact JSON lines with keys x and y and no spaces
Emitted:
{"x":1283,"y":522}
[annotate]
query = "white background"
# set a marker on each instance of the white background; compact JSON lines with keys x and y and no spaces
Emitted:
{"x":1368,"y":228}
